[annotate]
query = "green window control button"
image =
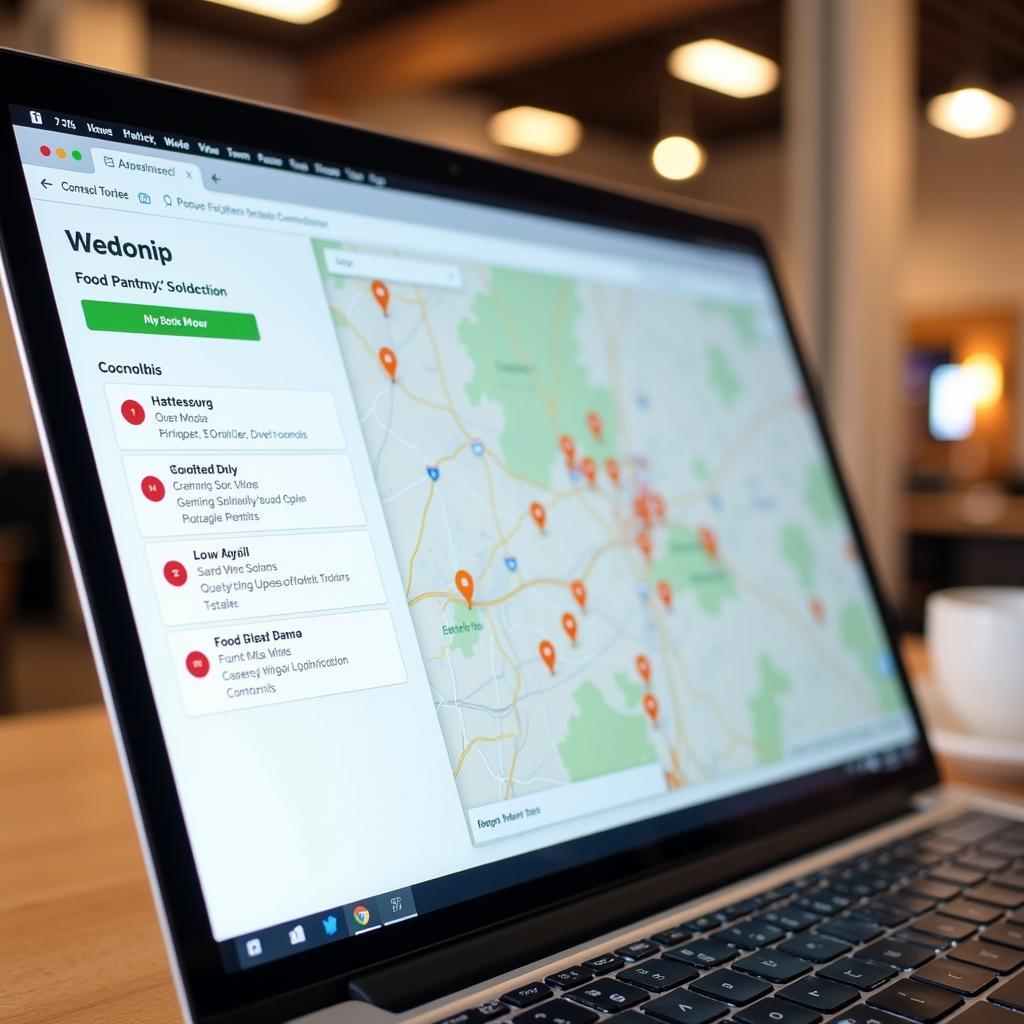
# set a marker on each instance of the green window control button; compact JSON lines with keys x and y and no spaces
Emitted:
{"x":141,"y":318}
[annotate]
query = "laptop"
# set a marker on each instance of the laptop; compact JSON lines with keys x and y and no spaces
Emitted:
{"x":480,"y":610}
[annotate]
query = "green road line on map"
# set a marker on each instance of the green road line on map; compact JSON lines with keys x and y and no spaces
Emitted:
{"x":862,"y":636}
{"x":766,"y":710}
{"x":521,"y":338}
{"x":722,"y":376}
{"x":821,"y":494}
{"x":464,"y":633}
{"x":601,"y":740}
{"x":689,"y":568}
{"x":798,"y":553}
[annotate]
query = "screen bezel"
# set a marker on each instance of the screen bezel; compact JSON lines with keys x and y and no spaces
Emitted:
{"x":210,"y":989}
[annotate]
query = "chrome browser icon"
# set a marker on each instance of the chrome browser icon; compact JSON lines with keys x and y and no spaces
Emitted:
{"x":361,"y":916}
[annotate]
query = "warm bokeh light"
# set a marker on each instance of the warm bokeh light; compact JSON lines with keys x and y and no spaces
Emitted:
{"x":298,"y":12}
{"x":970,"y":113}
{"x":716,"y":64}
{"x":536,"y":130}
{"x":677,"y":158}
{"x":984,"y":374}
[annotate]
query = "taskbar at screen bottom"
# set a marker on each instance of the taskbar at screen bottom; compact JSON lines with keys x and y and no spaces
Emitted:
{"x":347,"y":922}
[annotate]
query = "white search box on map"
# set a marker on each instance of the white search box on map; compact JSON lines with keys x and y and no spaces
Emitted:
{"x":393,"y":269}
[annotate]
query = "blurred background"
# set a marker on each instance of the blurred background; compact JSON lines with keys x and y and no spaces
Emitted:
{"x":874,"y":141}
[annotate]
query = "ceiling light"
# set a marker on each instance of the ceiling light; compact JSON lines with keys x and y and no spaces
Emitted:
{"x":298,"y":12}
{"x":677,"y":158}
{"x":970,"y":113}
{"x":716,"y":64}
{"x":536,"y":130}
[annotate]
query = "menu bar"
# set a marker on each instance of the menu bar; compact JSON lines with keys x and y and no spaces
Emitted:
{"x":109,"y":131}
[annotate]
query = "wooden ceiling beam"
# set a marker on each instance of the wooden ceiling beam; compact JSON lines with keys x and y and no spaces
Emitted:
{"x":459,"y":40}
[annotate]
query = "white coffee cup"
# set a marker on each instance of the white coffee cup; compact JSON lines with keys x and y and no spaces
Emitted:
{"x":975,"y":639}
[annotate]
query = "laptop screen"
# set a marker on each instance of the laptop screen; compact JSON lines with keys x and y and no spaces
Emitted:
{"x":464,"y":543}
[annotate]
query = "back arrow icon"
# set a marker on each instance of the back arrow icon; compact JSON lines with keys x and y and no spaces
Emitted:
{"x":45,"y":183}
{"x":215,"y":178}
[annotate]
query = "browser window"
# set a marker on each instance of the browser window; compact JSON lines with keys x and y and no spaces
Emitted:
{"x":452,"y":533}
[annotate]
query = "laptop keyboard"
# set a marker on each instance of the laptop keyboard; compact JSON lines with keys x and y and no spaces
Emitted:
{"x":910,"y":931}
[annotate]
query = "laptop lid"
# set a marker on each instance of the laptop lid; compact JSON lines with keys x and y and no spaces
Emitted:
{"x":454,"y":540}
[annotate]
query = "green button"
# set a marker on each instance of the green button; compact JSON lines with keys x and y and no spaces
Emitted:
{"x":135,"y":318}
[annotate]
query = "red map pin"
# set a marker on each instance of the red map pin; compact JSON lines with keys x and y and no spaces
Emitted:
{"x":708,"y":542}
{"x":132,"y":411}
{"x":651,"y":707}
{"x":665,"y":593}
{"x":197,"y":663}
{"x":382,"y":294}
{"x":569,"y":625}
{"x":594,"y":425}
{"x":579,"y":591}
{"x":611,"y":467}
{"x":153,"y":488}
{"x":175,"y":574}
{"x":817,"y":609}
{"x":539,"y":515}
{"x":568,"y":446}
{"x":643,"y":542}
{"x":464,"y":584}
{"x":389,"y":361}
{"x":642,"y":508}
{"x":547,"y":654}
{"x":589,"y":468}
{"x":643,"y":667}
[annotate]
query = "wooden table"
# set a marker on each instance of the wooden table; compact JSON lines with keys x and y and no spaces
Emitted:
{"x":79,"y":940}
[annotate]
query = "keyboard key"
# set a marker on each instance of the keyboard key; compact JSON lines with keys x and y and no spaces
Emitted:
{"x":957,"y":876}
{"x":774,"y":965}
{"x":979,"y":913}
{"x":819,"y":949}
{"x":1011,"y":879}
{"x":932,"y":888}
{"x":658,"y":975}
{"x":609,"y":995}
{"x":1010,"y":899}
{"x":748,"y":935}
{"x":994,"y":958}
{"x":977,"y":861}
{"x":792,"y":919}
{"x":775,"y":1011}
{"x":986,"y":1013}
{"x":936,"y":943}
{"x":742,"y":908}
{"x":819,"y":994}
{"x":638,"y":950}
{"x":919,"y":1002}
{"x":1011,"y":994}
{"x":731,"y":987}
{"x":672,"y":936}
{"x":478,"y":1014}
{"x":821,"y":907}
{"x":850,"y":929}
{"x":899,"y":954}
{"x":863,"y":1014}
{"x":604,"y":964}
{"x":907,"y":901}
{"x":703,"y":953}
{"x":569,"y":978}
{"x":527,"y":995}
{"x":947,"y":927}
{"x":882,"y":913}
{"x":704,"y":923}
{"x":1006,"y":933}
{"x":858,"y":973}
{"x":558,"y":1011}
{"x":962,"y":978}
{"x":685,"y":1007}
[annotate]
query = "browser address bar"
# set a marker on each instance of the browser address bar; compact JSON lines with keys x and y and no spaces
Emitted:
{"x":394,"y":269}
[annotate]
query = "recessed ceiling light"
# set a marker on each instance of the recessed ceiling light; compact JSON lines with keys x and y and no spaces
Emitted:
{"x":716,"y":64}
{"x":536,"y":130}
{"x":970,"y":113}
{"x":677,"y":158}
{"x":298,"y":12}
